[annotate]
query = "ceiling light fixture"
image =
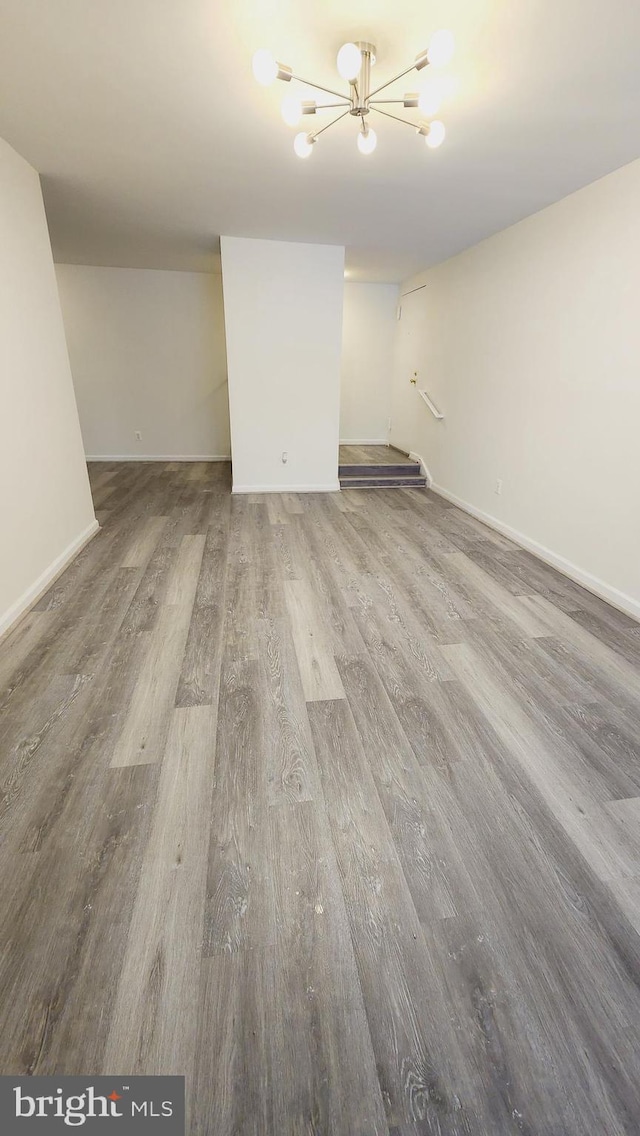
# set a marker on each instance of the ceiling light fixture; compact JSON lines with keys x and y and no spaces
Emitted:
{"x":354,"y":62}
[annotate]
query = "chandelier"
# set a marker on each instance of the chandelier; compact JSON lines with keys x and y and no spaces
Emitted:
{"x":354,"y":62}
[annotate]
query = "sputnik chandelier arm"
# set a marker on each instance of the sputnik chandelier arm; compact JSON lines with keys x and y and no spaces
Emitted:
{"x":317,"y":133}
{"x":433,"y":132}
{"x":355,"y":61}
{"x":316,"y":86}
{"x":395,"y":117}
{"x":400,"y":75}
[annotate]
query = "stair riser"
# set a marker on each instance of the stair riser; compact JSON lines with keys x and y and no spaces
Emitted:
{"x":400,"y":470}
{"x":383,"y":483}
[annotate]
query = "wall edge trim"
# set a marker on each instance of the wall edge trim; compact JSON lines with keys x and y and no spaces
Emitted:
{"x":364,"y":442}
{"x":157,"y":457}
{"x":332,"y":487}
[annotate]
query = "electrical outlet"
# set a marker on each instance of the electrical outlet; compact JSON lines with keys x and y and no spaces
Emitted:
{"x":138,"y":436}
{"x":498,"y":488}
{"x":285,"y":457}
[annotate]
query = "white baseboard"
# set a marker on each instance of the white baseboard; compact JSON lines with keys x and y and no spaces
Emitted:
{"x":424,"y":469}
{"x":46,"y":578}
{"x":592,"y":583}
{"x":364,"y":441}
{"x":158,"y":457}
{"x":333,"y":487}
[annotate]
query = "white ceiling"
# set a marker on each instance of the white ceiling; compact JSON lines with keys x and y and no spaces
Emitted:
{"x":153,"y":138}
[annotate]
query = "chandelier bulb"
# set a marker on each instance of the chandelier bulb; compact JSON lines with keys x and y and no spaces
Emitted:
{"x":367,"y":140}
{"x":349,"y":61}
{"x":429,"y":100}
{"x":265,"y":67}
{"x":435,"y":135}
{"x":291,"y":110}
{"x":441,"y":48}
{"x":303,"y":144}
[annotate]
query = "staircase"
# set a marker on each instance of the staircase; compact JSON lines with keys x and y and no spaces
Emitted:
{"x":379,"y":475}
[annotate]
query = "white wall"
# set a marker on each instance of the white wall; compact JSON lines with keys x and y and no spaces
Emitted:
{"x":530,"y":345}
{"x":45,"y":503}
{"x":368,"y":332}
{"x":147,"y":354}
{"x":283,"y":313}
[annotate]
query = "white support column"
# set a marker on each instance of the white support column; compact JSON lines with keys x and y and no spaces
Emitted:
{"x":283,"y":317}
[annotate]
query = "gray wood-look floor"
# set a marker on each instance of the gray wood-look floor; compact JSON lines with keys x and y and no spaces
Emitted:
{"x":371,"y":455}
{"x":331,"y":803}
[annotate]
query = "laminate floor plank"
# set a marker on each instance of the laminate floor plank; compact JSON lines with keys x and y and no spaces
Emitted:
{"x":416,"y":580}
{"x":158,"y":991}
{"x":611,"y":666}
{"x":574,"y":792}
{"x":418,"y":518}
{"x":144,"y":729}
{"x":21,"y":747}
{"x":434,"y":867}
{"x":100,"y":478}
{"x":213,"y":571}
{"x":61,"y":949}
{"x":269,"y":596}
{"x":240,"y":610}
{"x":323,"y":564}
{"x":469,"y":819}
{"x":200,"y":673}
{"x":237,"y":883}
{"x":292,"y":503}
{"x":346,"y":562}
{"x":103,"y":493}
{"x":72,"y":763}
{"x":597,"y":734}
{"x":143,"y":543}
{"x":566,"y":594}
{"x":320,"y":678}
{"x":324,"y":1074}
{"x":88,"y":649}
{"x":64,"y":761}
{"x":16,"y":647}
{"x":563,"y":913}
{"x":329,"y":802}
{"x":198,"y":471}
{"x":277,"y":509}
{"x":624,"y":640}
{"x":608,"y":744}
{"x":232,"y":1030}
{"x":509,"y":1024}
{"x":291,"y":770}
{"x":70,"y":635}
{"x":496,"y":596}
{"x":409,"y":1019}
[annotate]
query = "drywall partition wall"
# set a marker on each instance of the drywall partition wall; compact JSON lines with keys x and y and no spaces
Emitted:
{"x":283,"y":314}
{"x":148,"y":358}
{"x":368,"y":333}
{"x":529,"y":344}
{"x":46,"y":513}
